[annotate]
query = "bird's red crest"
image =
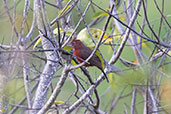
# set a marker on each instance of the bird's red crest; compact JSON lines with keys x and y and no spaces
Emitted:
{"x":76,"y":44}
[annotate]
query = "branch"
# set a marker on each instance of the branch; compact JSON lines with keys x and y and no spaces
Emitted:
{"x":23,"y":100}
{"x":10,"y":18}
{"x":144,"y":37}
{"x":25,"y":13}
{"x":148,"y":23}
{"x":80,"y":100}
{"x":26,"y":79}
{"x":76,"y":27}
{"x":56,"y":91}
{"x":116,"y":56}
{"x":115,"y":101}
{"x":50,"y":67}
{"x":133,"y":100}
{"x":153,"y":101}
{"x":30,"y":33}
{"x":162,"y":14}
{"x":4,"y":75}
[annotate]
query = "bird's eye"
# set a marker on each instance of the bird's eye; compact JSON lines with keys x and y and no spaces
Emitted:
{"x":73,"y":43}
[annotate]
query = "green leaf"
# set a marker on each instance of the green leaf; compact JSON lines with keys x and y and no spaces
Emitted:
{"x":84,"y":36}
{"x":68,"y":32}
{"x":99,"y":14}
{"x":59,"y":102}
{"x":37,"y":42}
{"x":62,"y":11}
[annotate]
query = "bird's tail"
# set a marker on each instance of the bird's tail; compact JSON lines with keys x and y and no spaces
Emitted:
{"x":105,"y":75}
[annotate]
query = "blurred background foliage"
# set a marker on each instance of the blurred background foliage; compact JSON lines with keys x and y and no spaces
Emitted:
{"x":118,"y":84}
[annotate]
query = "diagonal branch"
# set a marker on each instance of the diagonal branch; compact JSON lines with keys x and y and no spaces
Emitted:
{"x":56,"y":91}
{"x":122,"y":45}
{"x":80,"y":100}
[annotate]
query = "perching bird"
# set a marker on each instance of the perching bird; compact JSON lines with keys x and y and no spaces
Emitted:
{"x":82,"y":52}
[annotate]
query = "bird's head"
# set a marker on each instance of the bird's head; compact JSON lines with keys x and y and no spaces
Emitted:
{"x":76,"y":44}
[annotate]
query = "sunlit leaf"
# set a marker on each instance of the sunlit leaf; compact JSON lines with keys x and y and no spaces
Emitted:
{"x":169,"y":53}
{"x":85,"y":37}
{"x":3,"y":110}
{"x":99,"y":14}
{"x":59,"y":102}
{"x":37,"y":42}
{"x":62,"y":11}
{"x":112,"y":80}
{"x":135,"y":61}
{"x":55,"y":31}
{"x":68,"y":32}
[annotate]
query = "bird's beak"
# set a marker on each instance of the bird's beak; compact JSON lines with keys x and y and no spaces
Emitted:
{"x":69,"y":45}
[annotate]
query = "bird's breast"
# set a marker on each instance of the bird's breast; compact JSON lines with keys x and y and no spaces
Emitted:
{"x":80,"y":56}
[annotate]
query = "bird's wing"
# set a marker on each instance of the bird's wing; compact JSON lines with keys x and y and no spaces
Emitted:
{"x":95,"y":61}
{"x":85,"y":53}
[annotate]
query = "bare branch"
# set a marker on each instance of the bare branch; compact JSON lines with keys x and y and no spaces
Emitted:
{"x":50,"y":67}
{"x":134,"y":92}
{"x":81,"y":99}
{"x":23,"y":100}
{"x":10,"y":18}
{"x":26,"y":80}
{"x":117,"y":55}
{"x":56,"y":91}
{"x":162,"y":14}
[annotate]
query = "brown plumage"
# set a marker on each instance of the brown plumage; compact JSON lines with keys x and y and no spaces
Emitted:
{"x":83,"y":52}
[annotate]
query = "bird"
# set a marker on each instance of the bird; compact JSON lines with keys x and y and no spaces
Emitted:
{"x":82,"y":52}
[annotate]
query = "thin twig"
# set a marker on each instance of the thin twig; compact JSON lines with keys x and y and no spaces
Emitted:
{"x":115,"y":101}
{"x":76,"y":27}
{"x":133,"y":100}
{"x":117,"y":55}
{"x":144,"y":37}
{"x":25,"y":14}
{"x":162,"y":14}
{"x":80,"y":100}
{"x":10,"y":18}
{"x":148,"y":23}
{"x":23,"y":100}
{"x":26,"y":80}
